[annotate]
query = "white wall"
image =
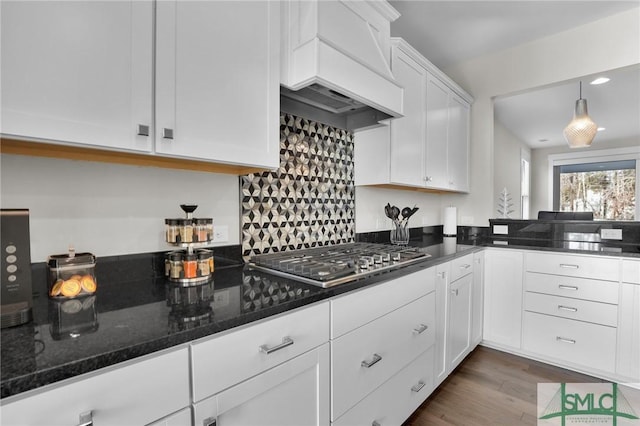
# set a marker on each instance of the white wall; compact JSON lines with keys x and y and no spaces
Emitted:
{"x":370,"y":204}
{"x":540,"y":170}
{"x":110,"y":209}
{"x":610,"y":43}
{"x":508,"y":153}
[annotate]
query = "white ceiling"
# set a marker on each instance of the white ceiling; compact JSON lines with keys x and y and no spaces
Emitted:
{"x":448,"y":32}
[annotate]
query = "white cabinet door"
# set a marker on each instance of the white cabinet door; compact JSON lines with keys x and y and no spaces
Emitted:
{"x":628,"y":352}
{"x":459,"y":331}
{"x":136,"y":394}
{"x":503,"y":297}
{"x":408,"y":132}
{"x":437,"y":115}
{"x":217,"y":81}
{"x":294,"y":393}
{"x":442,"y":316}
{"x":458,"y":144}
{"x":477,"y":296}
{"x":78,"y":72}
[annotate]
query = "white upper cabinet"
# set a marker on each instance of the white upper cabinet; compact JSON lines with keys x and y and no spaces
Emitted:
{"x":82,"y":73}
{"x":78,"y":72}
{"x":217,"y":81}
{"x":428,"y":148}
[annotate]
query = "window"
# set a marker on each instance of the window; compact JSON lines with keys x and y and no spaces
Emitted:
{"x":605,"y":185}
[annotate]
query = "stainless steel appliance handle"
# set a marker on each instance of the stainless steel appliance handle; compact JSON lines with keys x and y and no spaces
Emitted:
{"x":420,"y":329}
{"x":286,"y":341}
{"x":567,"y":308}
{"x":565,"y":340}
{"x":86,"y":419}
{"x":368,"y":364}
{"x":418,"y":386}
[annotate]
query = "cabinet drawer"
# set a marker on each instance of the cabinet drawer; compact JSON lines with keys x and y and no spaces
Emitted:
{"x":223,"y":361}
{"x":356,"y":309}
{"x":583,"y":310}
{"x":631,"y":271}
{"x":461,"y":266}
{"x":573,"y":342}
{"x":139,"y":393}
{"x":394,"y":401}
{"x":594,"y":267}
{"x":370,"y":355}
{"x":576,"y":288}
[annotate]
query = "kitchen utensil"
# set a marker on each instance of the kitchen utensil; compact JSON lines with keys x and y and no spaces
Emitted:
{"x":406,"y":212}
{"x":395,"y":212}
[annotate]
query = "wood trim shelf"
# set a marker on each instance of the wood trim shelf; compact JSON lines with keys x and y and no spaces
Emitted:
{"x":69,"y":152}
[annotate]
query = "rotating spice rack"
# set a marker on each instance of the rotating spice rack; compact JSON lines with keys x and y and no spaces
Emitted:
{"x":194,"y":265}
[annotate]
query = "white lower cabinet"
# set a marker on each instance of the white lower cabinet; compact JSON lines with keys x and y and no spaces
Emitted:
{"x":138,"y":393}
{"x":628,"y":351}
{"x":477,"y":298}
{"x":394,"y":401}
{"x":578,"y":343}
{"x":459,"y":333}
{"x":503,"y":269}
{"x":294,"y":393}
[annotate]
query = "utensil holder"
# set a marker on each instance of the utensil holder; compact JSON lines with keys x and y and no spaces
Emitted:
{"x":400,"y":234}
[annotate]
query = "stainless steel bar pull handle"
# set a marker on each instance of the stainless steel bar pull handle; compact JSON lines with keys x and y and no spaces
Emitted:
{"x":210,"y":421}
{"x":454,"y":291}
{"x":86,"y":419}
{"x":570,"y":266}
{"x":567,"y":308}
{"x":368,"y":364}
{"x":565,"y":340}
{"x":420,"y":329}
{"x":418,"y":386}
{"x":465,"y":266}
{"x":567,"y":287}
{"x":286,"y":341}
{"x":143,"y":130}
{"x":167,"y":133}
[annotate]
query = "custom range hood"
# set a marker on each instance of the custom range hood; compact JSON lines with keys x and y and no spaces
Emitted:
{"x":336,"y":62}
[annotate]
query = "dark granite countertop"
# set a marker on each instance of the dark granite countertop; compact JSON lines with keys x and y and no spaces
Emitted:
{"x":134,"y":316}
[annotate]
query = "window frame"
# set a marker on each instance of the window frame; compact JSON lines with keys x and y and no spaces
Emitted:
{"x":595,"y":156}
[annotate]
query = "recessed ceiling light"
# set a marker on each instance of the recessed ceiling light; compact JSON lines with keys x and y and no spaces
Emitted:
{"x":543,"y":140}
{"x":600,"y":80}
{"x":601,"y":129}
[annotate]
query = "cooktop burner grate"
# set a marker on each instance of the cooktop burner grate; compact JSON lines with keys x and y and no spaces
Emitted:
{"x":331,"y":265}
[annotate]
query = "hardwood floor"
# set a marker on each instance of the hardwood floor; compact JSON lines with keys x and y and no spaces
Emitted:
{"x":491,"y":388}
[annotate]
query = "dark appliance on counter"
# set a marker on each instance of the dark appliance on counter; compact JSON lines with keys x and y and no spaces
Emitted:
{"x":15,"y":277}
{"x":556,"y":215}
{"x":332,"y":265}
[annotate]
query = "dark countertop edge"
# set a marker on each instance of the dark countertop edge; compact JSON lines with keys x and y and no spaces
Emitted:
{"x":20,"y":385}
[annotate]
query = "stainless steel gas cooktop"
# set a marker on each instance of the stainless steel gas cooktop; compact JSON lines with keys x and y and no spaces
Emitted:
{"x":331,"y":265}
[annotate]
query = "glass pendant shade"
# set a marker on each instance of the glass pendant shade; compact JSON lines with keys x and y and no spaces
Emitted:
{"x":581,"y":130}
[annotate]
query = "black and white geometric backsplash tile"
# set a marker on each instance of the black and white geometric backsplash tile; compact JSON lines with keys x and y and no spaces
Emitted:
{"x":310,"y":200}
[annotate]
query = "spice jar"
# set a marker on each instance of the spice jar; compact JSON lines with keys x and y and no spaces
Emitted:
{"x":190,"y":265}
{"x":204,"y":262}
{"x":175,"y":265}
{"x":186,"y":230}
{"x":172,"y":230}
{"x":204,"y":229}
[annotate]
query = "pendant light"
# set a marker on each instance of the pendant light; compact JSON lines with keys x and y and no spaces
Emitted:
{"x":581,"y":130}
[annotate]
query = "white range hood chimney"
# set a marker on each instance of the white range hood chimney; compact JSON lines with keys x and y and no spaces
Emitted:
{"x":336,"y":60}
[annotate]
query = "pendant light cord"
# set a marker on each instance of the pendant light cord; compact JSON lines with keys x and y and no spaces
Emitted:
{"x":580,"y":89}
